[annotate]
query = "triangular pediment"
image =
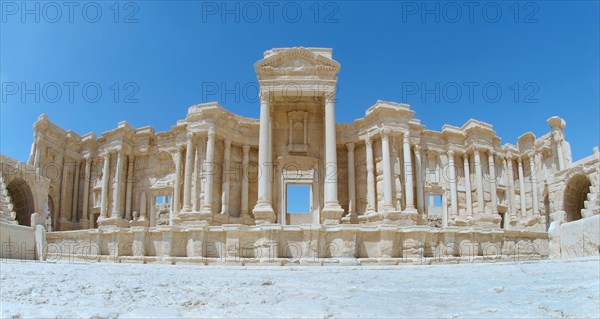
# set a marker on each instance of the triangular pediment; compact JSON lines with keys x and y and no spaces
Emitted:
{"x":295,"y":60}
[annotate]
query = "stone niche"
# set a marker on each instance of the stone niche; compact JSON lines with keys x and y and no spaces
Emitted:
{"x":298,"y":132}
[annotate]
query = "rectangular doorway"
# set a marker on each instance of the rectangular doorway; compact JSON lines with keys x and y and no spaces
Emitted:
{"x":298,"y":204}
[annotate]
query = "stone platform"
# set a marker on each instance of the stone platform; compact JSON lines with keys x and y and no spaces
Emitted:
{"x":306,"y":245}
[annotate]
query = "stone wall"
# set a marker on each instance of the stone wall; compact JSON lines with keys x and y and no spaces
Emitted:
{"x":275,"y":244}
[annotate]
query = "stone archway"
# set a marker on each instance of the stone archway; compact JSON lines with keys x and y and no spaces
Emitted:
{"x":576,"y":192}
{"x":22,"y":199}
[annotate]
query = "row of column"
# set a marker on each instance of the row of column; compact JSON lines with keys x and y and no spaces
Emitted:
{"x":191,"y":170}
{"x":119,"y":210}
{"x":493,"y":185}
{"x":388,"y":204}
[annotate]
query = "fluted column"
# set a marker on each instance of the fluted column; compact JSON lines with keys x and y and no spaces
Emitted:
{"x":225,"y":178}
{"x":351,"y":182}
{"x":511,"y":187}
{"x":130,"y":181}
{"x":104,"y":199}
{"x":86,"y":192}
{"x":332,"y":211}
{"x":209,"y":171}
{"x":479,"y":182}
{"x":397,"y":174}
{"x":387,"y":170}
{"x":370,"y":176}
{"x":177,"y":183}
{"x":116,"y":211}
{"x":419,"y":178}
{"x":493,"y":192}
{"x":469,"y":201}
{"x":533,"y":179}
{"x":75,"y":200}
{"x":522,"y":188}
{"x":245,"y":160}
{"x":263,"y":211}
{"x":187,"y":179}
{"x":453,"y":196}
{"x":196,"y":179}
{"x":408,"y":172}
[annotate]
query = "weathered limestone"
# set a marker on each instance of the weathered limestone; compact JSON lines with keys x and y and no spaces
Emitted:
{"x":217,"y":169}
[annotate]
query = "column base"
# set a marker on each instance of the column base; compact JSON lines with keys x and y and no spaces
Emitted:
{"x":113,"y":222}
{"x":84,"y":223}
{"x":64,"y":224}
{"x":332,"y":214}
{"x":407,"y":217}
{"x":195,"y":218}
{"x":350,"y":218}
{"x":489,"y":220}
{"x":139,"y":223}
{"x":263,"y":213}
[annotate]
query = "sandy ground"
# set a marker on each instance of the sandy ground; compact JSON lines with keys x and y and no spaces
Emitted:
{"x":492,"y":290}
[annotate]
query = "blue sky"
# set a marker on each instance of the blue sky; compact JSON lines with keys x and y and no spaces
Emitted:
{"x":509,"y":64}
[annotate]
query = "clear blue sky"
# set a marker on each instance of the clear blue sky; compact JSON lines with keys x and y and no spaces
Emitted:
{"x":172,"y":51}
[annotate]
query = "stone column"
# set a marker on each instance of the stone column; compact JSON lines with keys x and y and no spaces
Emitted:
{"x":86,"y":191}
{"x":479,"y":183}
{"x":522,"y":187}
{"x":351,"y":182}
{"x":244,"y":199}
{"x":187,"y":179}
{"x":209,"y":171}
{"x":75,"y":200}
{"x":130,"y":181}
{"x":196,"y":178}
{"x":469,"y":202}
{"x":533,"y":179}
{"x":105,"y":173}
{"x":387,"y":171}
{"x":408,"y":171}
{"x":263,"y":211}
{"x":116,"y":211}
{"x":397,"y":174}
{"x":370,"y":176}
{"x":64,"y":202}
{"x":511,"y":187}
{"x":419,"y":175}
{"x":225,"y":177}
{"x":493,"y":192}
{"x":332,"y":211}
{"x":290,"y":132}
{"x":177,"y":182}
{"x":453,"y":195}
{"x":36,"y":158}
{"x":559,"y":151}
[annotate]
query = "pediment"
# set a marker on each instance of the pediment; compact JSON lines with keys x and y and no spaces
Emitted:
{"x":296,"y":60}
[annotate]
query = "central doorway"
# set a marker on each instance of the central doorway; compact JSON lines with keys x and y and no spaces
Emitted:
{"x":298,"y":204}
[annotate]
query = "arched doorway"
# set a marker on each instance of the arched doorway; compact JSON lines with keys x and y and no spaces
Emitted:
{"x":575,"y":195}
{"x":22,"y":200}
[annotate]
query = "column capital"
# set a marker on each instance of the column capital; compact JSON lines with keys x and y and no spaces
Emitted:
{"x":385,"y":133}
{"x":264,"y":95}
{"x":227,"y":142}
{"x":368,"y":141}
{"x":211,"y":134}
{"x":417,"y":148}
{"x":245,"y":148}
{"x":350,"y":146}
{"x":190,"y":135}
{"x":329,"y":97}
{"x":450,"y":153}
{"x":406,"y":137}
{"x":478,"y":148}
